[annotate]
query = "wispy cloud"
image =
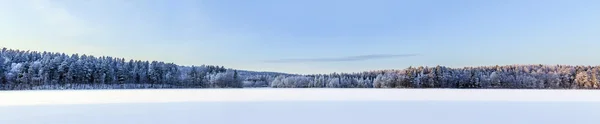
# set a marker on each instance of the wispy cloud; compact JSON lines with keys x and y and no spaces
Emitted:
{"x":342,"y":59}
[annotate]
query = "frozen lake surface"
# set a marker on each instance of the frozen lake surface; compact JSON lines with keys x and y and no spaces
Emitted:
{"x":300,"y":106}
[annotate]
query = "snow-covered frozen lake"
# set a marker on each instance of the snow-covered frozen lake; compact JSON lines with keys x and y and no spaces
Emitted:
{"x":300,"y":106}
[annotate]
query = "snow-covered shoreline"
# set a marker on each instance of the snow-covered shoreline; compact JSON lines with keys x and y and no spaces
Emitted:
{"x":61,"y":97}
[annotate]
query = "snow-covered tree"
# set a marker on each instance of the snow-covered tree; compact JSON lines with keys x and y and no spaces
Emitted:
{"x":278,"y":82}
{"x":387,"y":80}
{"x":2,"y":71}
{"x":334,"y":83}
{"x":38,"y":70}
{"x":582,"y":79}
{"x":226,"y":80}
{"x":495,"y":80}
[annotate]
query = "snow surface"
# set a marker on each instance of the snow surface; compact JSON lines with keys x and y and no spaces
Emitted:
{"x":300,"y":106}
{"x":58,"y":97}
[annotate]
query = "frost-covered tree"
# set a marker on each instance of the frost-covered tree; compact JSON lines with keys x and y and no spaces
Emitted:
{"x":495,"y":80}
{"x":46,"y":70}
{"x":365,"y":83}
{"x":256,"y":80}
{"x":35,"y":73}
{"x":278,"y":82}
{"x":582,"y":79}
{"x":553,"y":81}
{"x":195,"y":78}
{"x":485,"y":81}
{"x":319,"y":82}
{"x":225,"y":80}
{"x":2,"y":71}
{"x":387,"y":80}
{"x":334,"y":83}
{"x":28,"y":69}
{"x":348,"y":82}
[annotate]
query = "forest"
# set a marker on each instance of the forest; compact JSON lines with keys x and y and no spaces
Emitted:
{"x":32,"y":70}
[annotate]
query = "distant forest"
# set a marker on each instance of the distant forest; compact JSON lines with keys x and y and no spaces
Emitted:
{"x":31,"y":70}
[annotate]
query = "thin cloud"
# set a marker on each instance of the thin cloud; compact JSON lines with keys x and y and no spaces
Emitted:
{"x":343,"y":59}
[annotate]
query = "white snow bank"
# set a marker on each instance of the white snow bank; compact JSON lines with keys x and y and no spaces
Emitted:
{"x":54,"y":97}
{"x":405,"y":112}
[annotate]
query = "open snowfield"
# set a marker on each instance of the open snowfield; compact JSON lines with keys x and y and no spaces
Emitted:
{"x":300,"y":106}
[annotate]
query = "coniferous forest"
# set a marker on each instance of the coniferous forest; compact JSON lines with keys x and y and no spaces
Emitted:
{"x":32,"y":70}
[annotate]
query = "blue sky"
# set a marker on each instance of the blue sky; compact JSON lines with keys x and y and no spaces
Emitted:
{"x":244,"y":34}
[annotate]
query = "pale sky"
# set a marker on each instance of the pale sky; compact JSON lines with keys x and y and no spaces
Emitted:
{"x":327,"y":35}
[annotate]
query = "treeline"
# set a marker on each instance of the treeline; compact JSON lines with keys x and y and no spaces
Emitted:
{"x":507,"y":77}
{"x":45,"y":70}
{"x":22,"y":70}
